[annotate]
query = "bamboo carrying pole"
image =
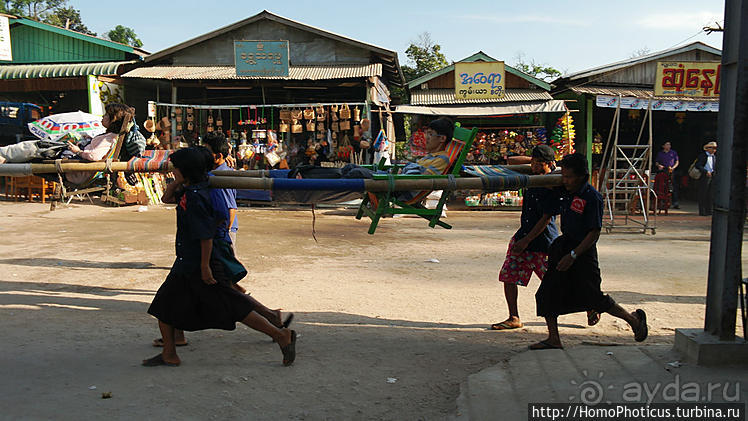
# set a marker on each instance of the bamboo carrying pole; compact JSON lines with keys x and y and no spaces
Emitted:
{"x":23,"y":170}
{"x":460,"y":183}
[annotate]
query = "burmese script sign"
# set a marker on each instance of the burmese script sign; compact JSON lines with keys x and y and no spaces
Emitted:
{"x":479,"y":80}
{"x":261,"y":58}
{"x":688,"y":79}
{"x":5,"y":48}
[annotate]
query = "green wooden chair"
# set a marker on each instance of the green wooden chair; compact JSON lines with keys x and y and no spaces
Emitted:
{"x":376,"y":205}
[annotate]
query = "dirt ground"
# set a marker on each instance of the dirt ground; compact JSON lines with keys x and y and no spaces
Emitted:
{"x":383,"y":332}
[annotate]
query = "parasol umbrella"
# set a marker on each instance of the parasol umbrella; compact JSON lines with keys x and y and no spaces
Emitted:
{"x":55,"y":126}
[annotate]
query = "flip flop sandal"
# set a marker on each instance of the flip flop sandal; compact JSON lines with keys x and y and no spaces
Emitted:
{"x":641,"y":332}
{"x":289,"y":351}
{"x":159,"y":342}
{"x":593,"y":318}
{"x":544,"y":345}
{"x":289,"y":319}
{"x":157,"y":361}
{"x":504,"y":326}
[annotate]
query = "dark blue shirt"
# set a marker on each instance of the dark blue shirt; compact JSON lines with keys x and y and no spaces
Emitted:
{"x":581,"y":212}
{"x":221,"y":212}
{"x":539,"y":201}
{"x":196,"y":220}
{"x":229,"y":196}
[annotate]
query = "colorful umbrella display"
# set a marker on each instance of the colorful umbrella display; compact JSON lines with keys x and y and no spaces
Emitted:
{"x":55,"y":126}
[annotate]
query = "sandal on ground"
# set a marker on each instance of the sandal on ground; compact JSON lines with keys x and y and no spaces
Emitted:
{"x":159,"y":342}
{"x":641,"y":331}
{"x":545,"y":345}
{"x":158,"y":360}
{"x":289,"y":351}
{"x":505,"y":325}
{"x":593,"y":318}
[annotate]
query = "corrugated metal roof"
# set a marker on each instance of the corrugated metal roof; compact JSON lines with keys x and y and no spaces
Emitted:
{"x":641,"y":93}
{"x":37,"y":71}
{"x":447,"y":96}
{"x":344,"y":71}
{"x":641,"y":59}
{"x":479,"y":56}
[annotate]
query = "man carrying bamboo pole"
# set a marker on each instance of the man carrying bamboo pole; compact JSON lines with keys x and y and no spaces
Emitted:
{"x":528,"y":248}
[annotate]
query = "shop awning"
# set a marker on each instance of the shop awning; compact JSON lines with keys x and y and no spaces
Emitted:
{"x":343,"y":71}
{"x":505,"y":108}
{"x":38,"y":71}
{"x":447,"y":96}
{"x":639,"y":93}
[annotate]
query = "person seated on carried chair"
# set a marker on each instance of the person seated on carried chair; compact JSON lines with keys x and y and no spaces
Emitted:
{"x":96,"y":150}
{"x":438,"y":133}
{"x":100,"y":145}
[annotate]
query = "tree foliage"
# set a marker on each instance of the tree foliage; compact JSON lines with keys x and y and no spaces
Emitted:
{"x":124,"y":35}
{"x":32,"y":9}
{"x":640,"y":52}
{"x":53,"y":12}
{"x":70,"y":18}
{"x":541,"y":71}
{"x":425,"y":57}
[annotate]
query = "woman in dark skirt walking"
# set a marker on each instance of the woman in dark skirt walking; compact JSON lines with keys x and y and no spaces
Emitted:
{"x":198,"y":293}
{"x":572,"y":282}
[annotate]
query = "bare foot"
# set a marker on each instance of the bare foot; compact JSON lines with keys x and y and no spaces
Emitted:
{"x":161,"y":359}
{"x":546,"y":344}
{"x":159,"y":342}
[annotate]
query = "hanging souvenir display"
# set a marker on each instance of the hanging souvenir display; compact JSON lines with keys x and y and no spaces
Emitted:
{"x":309,"y":113}
{"x":345,"y":112}
{"x":259,"y":134}
{"x":492,"y":147}
{"x":597,"y":145}
{"x":311,"y":126}
{"x":284,"y":127}
{"x":296,"y":114}
{"x":356,"y":132}
{"x":190,"y":116}
{"x":344,"y":148}
{"x":296,"y":126}
{"x":335,"y":126}
{"x":320,"y":113}
{"x":356,"y":114}
{"x":219,"y":120}
{"x":285,"y":114}
{"x":345,"y":124}
{"x":209,"y":127}
{"x":562,"y":137}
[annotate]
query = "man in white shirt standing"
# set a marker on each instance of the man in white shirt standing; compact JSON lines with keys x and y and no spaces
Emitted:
{"x":706,"y":163}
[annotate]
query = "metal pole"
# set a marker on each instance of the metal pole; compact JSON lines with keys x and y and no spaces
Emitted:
{"x":614,"y":157}
{"x":650,"y":151}
{"x":172,"y":115}
{"x":728,"y":221}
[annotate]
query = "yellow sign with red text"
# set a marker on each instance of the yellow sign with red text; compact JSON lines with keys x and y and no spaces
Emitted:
{"x":479,"y":80}
{"x":698,"y":79}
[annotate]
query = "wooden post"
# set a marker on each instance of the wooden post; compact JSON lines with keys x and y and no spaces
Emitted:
{"x":588,"y":132}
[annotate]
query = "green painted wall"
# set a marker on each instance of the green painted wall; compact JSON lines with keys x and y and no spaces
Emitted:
{"x":33,"y":45}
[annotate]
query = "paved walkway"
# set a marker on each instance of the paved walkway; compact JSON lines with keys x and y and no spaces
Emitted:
{"x":594,"y":374}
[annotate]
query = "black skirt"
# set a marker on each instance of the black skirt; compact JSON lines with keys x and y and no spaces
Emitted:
{"x":185,"y":302}
{"x":575,"y":290}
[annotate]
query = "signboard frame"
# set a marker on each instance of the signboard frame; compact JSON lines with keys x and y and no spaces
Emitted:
{"x":260,"y":58}
{"x":478,"y":80}
{"x":692,"y":79}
